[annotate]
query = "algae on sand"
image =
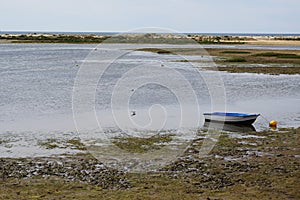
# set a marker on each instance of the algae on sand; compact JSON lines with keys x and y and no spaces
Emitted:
{"x":141,"y":145}
{"x":233,"y":170}
{"x":52,"y":143}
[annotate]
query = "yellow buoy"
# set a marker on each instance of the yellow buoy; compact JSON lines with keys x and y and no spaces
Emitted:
{"x":273,"y":124}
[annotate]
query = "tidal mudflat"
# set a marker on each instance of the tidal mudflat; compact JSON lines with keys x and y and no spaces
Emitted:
{"x":274,"y":61}
{"x":241,"y":166}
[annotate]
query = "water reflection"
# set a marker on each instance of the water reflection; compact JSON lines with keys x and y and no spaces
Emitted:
{"x":229,"y":127}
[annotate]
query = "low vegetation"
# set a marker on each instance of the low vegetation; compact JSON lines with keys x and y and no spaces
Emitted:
{"x":150,"y":38}
{"x":249,"y":56}
{"x":235,"y":52}
{"x":142,"y":145}
{"x":237,"y":59}
{"x":211,"y":39}
{"x":278,"y":55}
{"x":257,"y":56}
{"x":54,"y":38}
{"x":262,"y":70}
{"x":53,"y":143}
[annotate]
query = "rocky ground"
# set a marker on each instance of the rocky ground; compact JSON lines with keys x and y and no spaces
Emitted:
{"x":255,"y":165}
{"x":82,"y":168}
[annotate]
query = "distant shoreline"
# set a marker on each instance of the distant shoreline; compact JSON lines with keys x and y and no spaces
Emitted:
{"x":110,"y":33}
{"x":151,"y":38}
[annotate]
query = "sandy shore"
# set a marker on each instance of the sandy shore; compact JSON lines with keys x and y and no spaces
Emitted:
{"x":5,"y":41}
{"x":273,"y":42}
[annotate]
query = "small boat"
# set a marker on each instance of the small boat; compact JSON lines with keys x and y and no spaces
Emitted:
{"x":232,"y":118}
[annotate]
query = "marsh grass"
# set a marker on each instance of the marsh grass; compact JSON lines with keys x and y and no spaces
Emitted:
{"x":238,"y":59}
{"x":235,"y":52}
{"x":278,"y":55}
{"x":53,"y":143}
{"x":262,"y":70}
{"x":220,"y":55}
{"x":50,"y":143}
{"x":142,"y":145}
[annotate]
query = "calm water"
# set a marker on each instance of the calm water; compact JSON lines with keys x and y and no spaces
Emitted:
{"x":36,"y":84}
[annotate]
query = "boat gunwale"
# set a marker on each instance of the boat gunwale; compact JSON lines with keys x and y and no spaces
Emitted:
{"x":230,"y":114}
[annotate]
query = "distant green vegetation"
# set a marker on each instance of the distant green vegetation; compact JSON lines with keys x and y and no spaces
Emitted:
{"x":59,"y":38}
{"x":236,"y":52}
{"x":217,"y":42}
{"x":236,"y":60}
{"x":234,"y":55}
{"x":55,"y":39}
{"x":149,"y":38}
{"x":288,"y":56}
{"x":262,"y":70}
{"x":278,"y":55}
{"x":208,"y":39}
{"x":287,"y":38}
{"x":267,"y":54}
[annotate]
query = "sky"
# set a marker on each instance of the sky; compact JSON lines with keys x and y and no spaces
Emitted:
{"x":205,"y":16}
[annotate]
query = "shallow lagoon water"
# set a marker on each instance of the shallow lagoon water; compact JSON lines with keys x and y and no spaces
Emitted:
{"x":37,"y":81}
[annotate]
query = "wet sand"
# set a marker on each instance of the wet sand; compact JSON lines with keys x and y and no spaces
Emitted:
{"x":273,"y":42}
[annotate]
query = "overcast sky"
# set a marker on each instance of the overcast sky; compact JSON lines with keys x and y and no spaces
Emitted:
{"x":240,"y":16}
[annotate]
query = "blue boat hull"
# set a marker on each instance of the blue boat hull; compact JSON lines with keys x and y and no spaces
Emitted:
{"x":231,"y":118}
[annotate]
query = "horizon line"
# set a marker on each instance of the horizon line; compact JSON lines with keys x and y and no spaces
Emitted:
{"x":185,"y":32}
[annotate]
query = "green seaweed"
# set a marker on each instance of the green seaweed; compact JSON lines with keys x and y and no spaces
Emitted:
{"x":142,"y":145}
{"x":235,"y":60}
{"x":53,"y":143}
{"x":235,"y":52}
{"x":264,"y":70}
{"x":278,"y":55}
